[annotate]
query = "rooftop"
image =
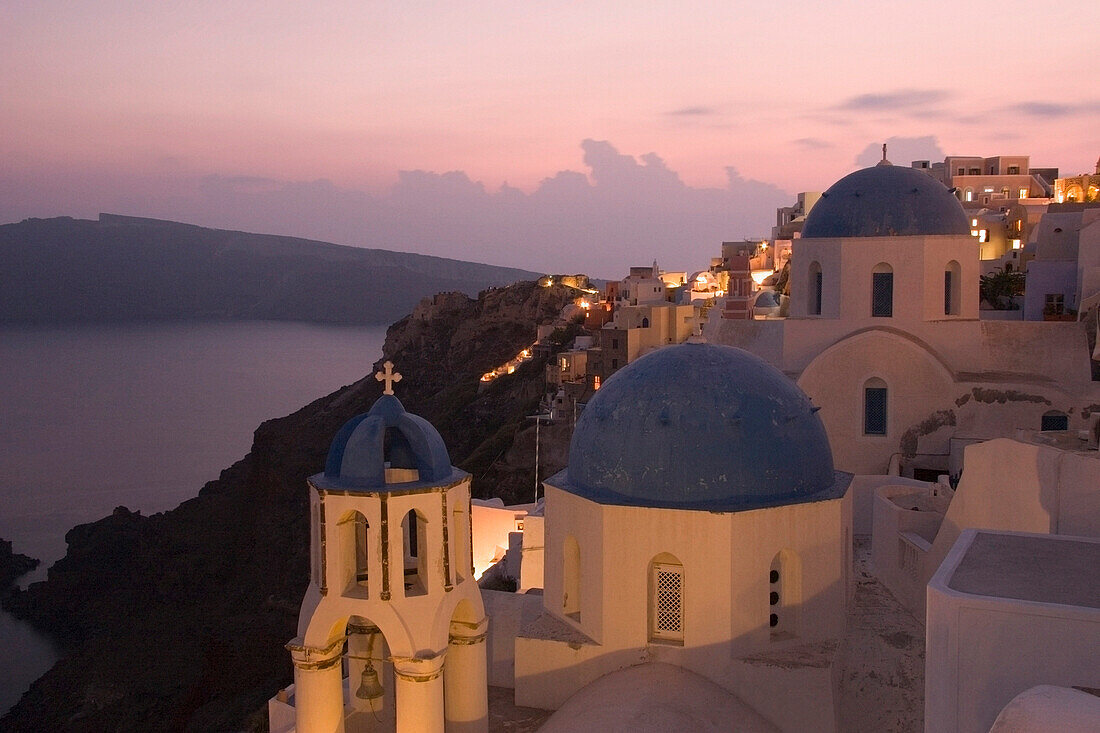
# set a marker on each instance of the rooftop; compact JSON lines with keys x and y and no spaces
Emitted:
{"x":1038,"y":568}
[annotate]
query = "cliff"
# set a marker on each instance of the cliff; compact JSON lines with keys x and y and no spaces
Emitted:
{"x":177,"y":621}
{"x":12,"y":565}
{"x":123,"y":268}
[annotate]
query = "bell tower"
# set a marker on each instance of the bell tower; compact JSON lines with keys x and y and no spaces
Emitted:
{"x":392,"y":601}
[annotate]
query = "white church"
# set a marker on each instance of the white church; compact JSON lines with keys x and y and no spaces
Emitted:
{"x":691,"y":568}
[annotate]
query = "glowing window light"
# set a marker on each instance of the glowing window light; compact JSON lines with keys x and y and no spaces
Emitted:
{"x":983,"y":235}
{"x":1015,"y":244}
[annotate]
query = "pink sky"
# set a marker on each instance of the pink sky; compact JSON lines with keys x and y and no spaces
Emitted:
{"x":122,"y":95}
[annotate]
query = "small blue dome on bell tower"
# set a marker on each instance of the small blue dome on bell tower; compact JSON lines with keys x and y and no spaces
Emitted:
{"x":387,"y":437}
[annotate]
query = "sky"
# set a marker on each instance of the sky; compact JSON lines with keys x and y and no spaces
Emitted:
{"x":556,"y":136}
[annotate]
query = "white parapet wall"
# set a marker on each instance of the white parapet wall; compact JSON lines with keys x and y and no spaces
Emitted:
{"x":1008,"y":611}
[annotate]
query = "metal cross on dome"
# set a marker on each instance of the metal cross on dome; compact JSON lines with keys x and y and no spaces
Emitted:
{"x":389,"y":376}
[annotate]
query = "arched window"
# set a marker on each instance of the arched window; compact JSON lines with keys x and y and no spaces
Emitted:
{"x":968,"y":194}
{"x":874,"y":407}
{"x":666,"y":599}
{"x":351,"y":532}
{"x":882,"y":291}
{"x":1055,"y":420}
{"x":415,"y":532}
{"x":571,"y":579}
{"x":784,"y":595}
{"x":645,"y":323}
{"x":952,"y":287}
{"x":814,"y":281}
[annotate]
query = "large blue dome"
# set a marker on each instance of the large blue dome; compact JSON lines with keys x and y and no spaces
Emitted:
{"x":885,"y":201}
{"x":699,"y":426}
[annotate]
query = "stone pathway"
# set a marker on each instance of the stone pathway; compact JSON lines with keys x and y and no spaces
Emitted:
{"x":881,"y":659}
{"x":506,"y":717}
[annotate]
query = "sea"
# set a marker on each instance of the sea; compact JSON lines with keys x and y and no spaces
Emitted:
{"x":141,"y":416}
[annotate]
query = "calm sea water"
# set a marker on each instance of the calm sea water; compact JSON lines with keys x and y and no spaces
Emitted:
{"x":140,"y":416}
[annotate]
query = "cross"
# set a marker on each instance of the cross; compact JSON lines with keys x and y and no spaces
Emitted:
{"x":389,"y":376}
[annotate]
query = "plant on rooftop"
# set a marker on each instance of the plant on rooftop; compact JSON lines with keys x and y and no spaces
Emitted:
{"x":1000,"y":287}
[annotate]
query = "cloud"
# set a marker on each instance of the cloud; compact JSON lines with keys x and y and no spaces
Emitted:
{"x":902,"y":151}
{"x":901,"y":99}
{"x":692,"y":112}
{"x":813,"y":143}
{"x":623,"y":210}
{"x":1051,"y":110}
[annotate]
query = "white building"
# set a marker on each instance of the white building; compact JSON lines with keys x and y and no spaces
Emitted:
{"x":884,"y":332}
{"x":699,"y":524}
{"x":1008,"y":611}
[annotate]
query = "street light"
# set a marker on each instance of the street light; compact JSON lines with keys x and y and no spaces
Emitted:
{"x":538,"y":421}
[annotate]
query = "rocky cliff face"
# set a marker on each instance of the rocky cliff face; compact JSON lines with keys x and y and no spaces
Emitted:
{"x":12,"y":564}
{"x":177,"y":621}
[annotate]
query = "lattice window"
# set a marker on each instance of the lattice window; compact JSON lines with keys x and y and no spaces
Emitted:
{"x":874,"y":411}
{"x":668,"y":602}
{"x":1054,"y":420}
{"x":882,"y":294}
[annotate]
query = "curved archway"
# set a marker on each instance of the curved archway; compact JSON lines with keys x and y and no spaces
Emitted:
{"x":666,"y":599}
{"x":952,"y":288}
{"x":417,"y":561}
{"x":571,"y":579}
{"x":351,"y":539}
{"x":784,"y":595}
{"x":814,"y":283}
{"x":882,"y":291}
{"x":1054,"y":420}
{"x":875,"y":407}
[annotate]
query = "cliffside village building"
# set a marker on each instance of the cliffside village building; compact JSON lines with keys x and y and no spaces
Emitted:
{"x":694,"y":565}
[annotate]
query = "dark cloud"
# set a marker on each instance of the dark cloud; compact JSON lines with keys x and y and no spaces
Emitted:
{"x":813,"y":143}
{"x":901,"y":99}
{"x":692,"y":112}
{"x":1052,"y":110}
{"x":902,"y":151}
{"x":624,"y":210}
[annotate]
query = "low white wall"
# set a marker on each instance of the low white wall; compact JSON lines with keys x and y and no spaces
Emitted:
{"x":508,"y":613}
{"x":900,"y":545}
{"x":982,"y":651}
{"x":862,"y":492}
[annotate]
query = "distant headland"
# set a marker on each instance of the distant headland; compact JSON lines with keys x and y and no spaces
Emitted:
{"x":124,"y":269}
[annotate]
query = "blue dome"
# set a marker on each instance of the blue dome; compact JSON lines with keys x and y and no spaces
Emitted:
{"x":699,"y":426}
{"x":885,"y":201}
{"x":386,"y":436}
